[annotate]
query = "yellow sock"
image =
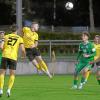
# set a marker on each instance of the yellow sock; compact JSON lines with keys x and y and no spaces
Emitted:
{"x":11,"y":81}
{"x":87,"y":74}
{"x":1,"y":81}
{"x":43,"y":65}
{"x":38,"y":66}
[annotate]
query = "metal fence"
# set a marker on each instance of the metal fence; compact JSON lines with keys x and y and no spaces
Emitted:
{"x":64,"y":49}
{"x":63,"y":63}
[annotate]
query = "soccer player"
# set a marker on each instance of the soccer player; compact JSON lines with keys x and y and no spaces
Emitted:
{"x":96,"y":58}
{"x":1,"y":39}
{"x":97,"y":46}
{"x":85,"y":56}
{"x":10,"y":47}
{"x":30,"y":38}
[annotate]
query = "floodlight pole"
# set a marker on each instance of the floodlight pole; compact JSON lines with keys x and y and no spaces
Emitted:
{"x":92,"y":29}
{"x":54,"y":14}
{"x":19,"y":15}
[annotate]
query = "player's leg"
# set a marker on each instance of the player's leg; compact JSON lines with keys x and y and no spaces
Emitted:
{"x":78,"y":68}
{"x":87,"y":75}
{"x":83,"y":79}
{"x":2,"y":74}
{"x":84,"y":75}
{"x":11,"y":81}
{"x":12,"y":68}
{"x":40,"y":61}
{"x":31,"y":57}
{"x":35,"y":63}
{"x":43,"y":65}
{"x":98,"y":72}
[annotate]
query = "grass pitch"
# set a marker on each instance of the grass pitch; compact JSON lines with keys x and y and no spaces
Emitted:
{"x":40,"y":87}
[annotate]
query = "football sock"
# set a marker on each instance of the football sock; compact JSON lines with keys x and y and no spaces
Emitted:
{"x":98,"y":82}
{"x":83,"y":79}
{"x":44,"y":67}
{"x":87,"y":75}
{"x":75,"y":82}
{"x":11,"y":81}
{"x":1,"y":81}
{"x":98,"y":79}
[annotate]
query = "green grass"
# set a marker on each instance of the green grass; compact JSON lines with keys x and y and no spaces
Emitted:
{"x":40,"y":87}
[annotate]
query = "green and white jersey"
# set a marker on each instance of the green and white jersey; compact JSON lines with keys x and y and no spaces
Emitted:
{"x":88,"y":49}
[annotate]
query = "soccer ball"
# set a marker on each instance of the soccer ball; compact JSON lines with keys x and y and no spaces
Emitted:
{"x":69,"y":5}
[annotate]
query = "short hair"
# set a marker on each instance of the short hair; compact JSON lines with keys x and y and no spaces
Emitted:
{"x":34,"y":23}
{"x":13,"y":28}
{"x":86,"y":33}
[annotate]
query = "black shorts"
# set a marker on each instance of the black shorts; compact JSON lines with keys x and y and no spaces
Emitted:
{"x":7,"y":63}
{"x":98,"y":63}
{"x":31,"y":53}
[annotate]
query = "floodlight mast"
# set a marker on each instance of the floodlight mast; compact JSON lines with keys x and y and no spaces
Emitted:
{"x":54,"y":14}
{"x":19,"y":15}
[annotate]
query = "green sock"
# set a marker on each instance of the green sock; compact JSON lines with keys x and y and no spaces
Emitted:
{"x":82,"y":79}
{"x":75,"y":82}
{"x":98,"y":82}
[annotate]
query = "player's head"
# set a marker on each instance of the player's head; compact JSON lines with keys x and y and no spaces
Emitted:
{"x":97,"y":39}
{"x":34,"y":26}
{"x":2,"y":34}
{"x":85,"y":36}
{"x":13,"y":28}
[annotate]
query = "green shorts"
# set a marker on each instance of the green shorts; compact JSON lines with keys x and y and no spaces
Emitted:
{"x":82,"y":65}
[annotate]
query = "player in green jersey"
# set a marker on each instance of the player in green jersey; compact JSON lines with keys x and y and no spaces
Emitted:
{"x":85,"y":56}
{"x":1,"y":39}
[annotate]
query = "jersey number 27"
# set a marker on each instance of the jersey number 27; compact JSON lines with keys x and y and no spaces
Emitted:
{"x":12,"y":41}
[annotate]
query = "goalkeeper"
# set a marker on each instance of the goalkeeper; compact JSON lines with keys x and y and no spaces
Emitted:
{"x":85,"y":56}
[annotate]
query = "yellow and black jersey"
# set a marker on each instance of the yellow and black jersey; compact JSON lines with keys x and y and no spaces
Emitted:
{"x":11,"y":46}
{"x":29,"y":37}
{"x":97,"y":47}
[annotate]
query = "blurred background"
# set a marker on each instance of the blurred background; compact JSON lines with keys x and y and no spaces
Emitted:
{"x":52,"y":12}
{"x":60,"y":29}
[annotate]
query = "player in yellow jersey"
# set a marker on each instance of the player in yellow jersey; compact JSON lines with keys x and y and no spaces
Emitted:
{"x":1,"y":39}
{"x":97,"y":46}
{"x":10,"y":47}
{"x":30,"y":38}
{"x":96,"y":58}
